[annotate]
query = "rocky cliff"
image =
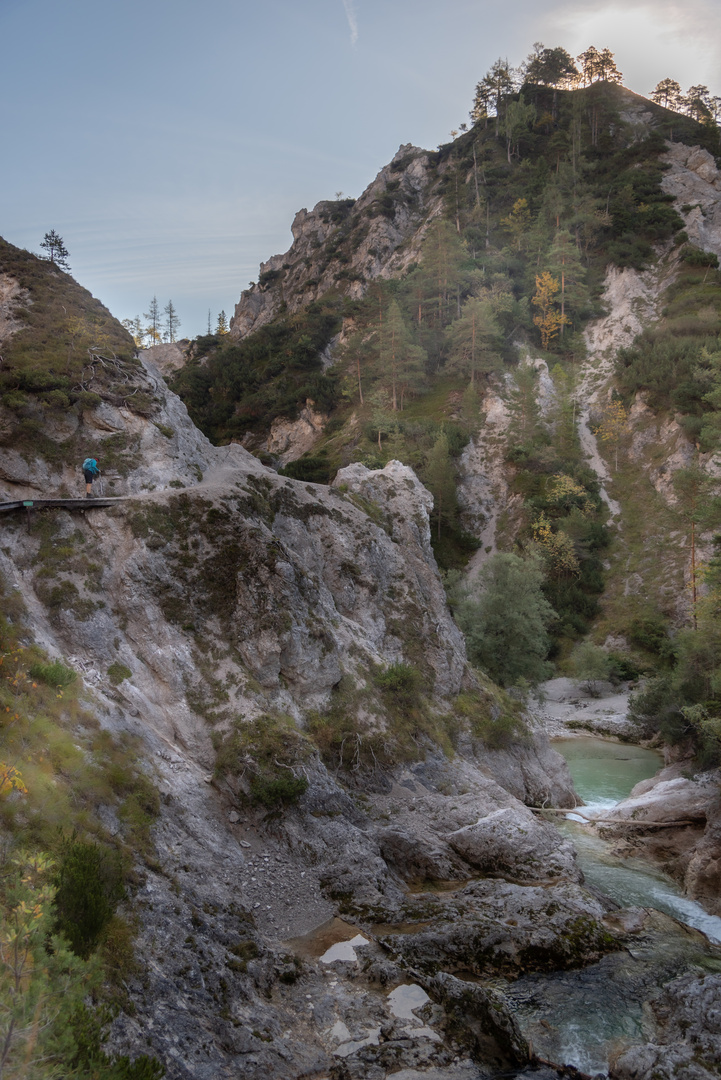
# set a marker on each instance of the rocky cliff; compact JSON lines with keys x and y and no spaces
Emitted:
{"x":346,"y":871}
{"x":348,"y":243}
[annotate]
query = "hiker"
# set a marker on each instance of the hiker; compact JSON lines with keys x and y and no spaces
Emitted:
{"x":90,"y":471}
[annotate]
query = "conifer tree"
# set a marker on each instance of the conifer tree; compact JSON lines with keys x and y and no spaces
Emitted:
{"x":700,"y":508}
{"x":565,"y":263}
{"x":221,"y":327}
{"x":549,"y":67}
{"x":517,"y":222}
{"x":172,"y":322}
{"x":668,"y":94}
{"x":441,"y":482}
{"x":613,"y":426}
{"x":523,"y":405}
{"x":154,"y":317}
{"x":401,"y":360}
{"x":517,"y":120}
{"x":474,"y":338}
{"x":57,"y":253}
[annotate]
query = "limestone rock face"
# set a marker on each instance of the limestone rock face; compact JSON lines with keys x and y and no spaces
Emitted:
{"x":168,"y":357}
{"x":290,"y":439}
{"x":499,"y":926}
{"x":135,"y":453}
{"x":511,"y":842}
{"x":12,"y":296}
{"x":377,"y":235}
{"x":695,"y":182}
{"x":687,"y":845}
{"x":688,"y":1042}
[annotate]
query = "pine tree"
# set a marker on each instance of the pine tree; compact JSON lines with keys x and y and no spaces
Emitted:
{"x":221,"y":327}
{"x":475,"y":339}
{"x":697,"y":103}
{"x":518,"y":222}
{"x":550,"y":67}
{"x":172,"y":322}
{"x":565,"y":263}
{"x":613,"y":426}
{"x":401,"y":361}
{"x":136,"y":329}
{"x":517,"y":120}
{"x":699,"y":508}
{"x":154,"y":317}
{"x":668,"y":94}
{"x":523,"y":405}
{"x":58,"y":254}
{"x":440,"y":480}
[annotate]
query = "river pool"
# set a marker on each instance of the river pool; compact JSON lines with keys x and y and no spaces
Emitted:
{"x":585,"y":1016}
{"x":604,"y":772}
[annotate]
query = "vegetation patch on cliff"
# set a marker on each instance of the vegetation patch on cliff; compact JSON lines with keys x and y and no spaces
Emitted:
{"x":62,"y":875}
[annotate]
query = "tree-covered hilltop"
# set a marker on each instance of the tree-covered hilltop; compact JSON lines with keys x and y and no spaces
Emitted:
{"x":60,"y":350}
{"x":523,"y":213}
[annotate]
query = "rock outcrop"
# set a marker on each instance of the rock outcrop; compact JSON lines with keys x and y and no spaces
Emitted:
{"x":346,"y":244}
{"x":684,"y":812}
{"x":695,"y":182}
{"x":688,"y":1042}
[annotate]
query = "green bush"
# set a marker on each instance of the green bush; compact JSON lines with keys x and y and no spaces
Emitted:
{"x":53,"y":674}
{"x":89,"y":886}
{"x":400,"y":685}
{"x":695,"y":257}
{"x":268,"y":749}
{"x":117,"y":672}
{"x":88,"y":1061}
{"x":498,"y":724}
{"x":272,"y":791}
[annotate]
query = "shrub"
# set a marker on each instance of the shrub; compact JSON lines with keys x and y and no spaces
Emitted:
{"x":400,"y":685}
{"x":267,"y":749}
{"x":89,"y":887}
{"x":695,"y":257}
{"x":277,"y":790}
{"x":498,"y":724}
{"x":53,"y":674}
{"x":117,"y":672}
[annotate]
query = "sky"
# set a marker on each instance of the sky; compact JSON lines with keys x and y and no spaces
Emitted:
{"x":171,"y":142}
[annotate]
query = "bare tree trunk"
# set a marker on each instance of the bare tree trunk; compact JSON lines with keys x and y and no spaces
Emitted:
{"x":475,"y":177}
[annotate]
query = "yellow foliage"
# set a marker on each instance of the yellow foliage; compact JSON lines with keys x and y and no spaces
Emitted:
{"x":564,"y":488}
{"x":10,"y":779}
{"x":517,"y":222}
{"x":556,"y":548}
{"x":550,"y":320}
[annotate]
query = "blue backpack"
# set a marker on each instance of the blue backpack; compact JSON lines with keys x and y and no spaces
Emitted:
{"x":91,"y":465}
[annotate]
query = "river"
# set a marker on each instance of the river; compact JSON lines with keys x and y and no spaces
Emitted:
{"x":604,"y":772}
{"x":583,"y":1017}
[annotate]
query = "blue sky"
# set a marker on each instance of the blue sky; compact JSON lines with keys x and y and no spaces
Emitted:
{"x":170,"y":142}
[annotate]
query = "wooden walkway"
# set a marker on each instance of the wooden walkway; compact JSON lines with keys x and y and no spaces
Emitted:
{"x":65,"y":504}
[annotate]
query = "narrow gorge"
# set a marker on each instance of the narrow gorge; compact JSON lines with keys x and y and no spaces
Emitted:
{"x":268,"y":734}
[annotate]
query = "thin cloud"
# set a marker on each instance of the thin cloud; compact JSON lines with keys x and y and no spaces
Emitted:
{"x":352,"y":20}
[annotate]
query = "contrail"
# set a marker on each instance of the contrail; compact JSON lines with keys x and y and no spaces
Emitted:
{"x":352,"y":20}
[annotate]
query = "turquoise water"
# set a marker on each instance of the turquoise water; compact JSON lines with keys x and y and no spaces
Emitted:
{"x":604,"y":772}
{"x":582,"y":1017}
